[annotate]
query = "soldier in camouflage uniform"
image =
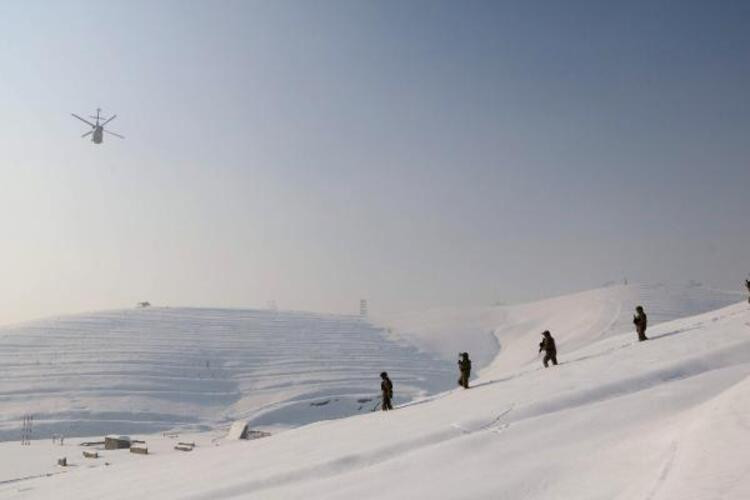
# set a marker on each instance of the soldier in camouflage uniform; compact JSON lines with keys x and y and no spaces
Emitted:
{"x":641,"y":322}
{"x":550,"y":349}
{"x":386,"y":388}
{"x":464,"y":368}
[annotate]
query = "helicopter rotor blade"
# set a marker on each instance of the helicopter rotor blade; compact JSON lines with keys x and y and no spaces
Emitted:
{"x":116,"y":135}
{"x":87,"y":133}
{"x":83,"y":120}
{"x":108,"y":120}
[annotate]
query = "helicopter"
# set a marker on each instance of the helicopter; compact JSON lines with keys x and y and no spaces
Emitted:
{"x":97,"y":129}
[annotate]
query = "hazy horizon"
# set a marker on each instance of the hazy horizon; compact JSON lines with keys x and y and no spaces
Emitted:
{"x":417,"y":154}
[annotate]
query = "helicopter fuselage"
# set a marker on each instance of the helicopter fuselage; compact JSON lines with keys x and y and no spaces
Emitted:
{"x":98,"y":134}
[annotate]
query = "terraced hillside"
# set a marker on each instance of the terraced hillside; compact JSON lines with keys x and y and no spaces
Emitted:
{"x":149,"y":370}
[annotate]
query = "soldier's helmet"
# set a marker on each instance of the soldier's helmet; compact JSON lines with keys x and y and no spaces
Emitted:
{"x":546,"y":333}
{"x":383,"y":375}
{"x":639,"y":308}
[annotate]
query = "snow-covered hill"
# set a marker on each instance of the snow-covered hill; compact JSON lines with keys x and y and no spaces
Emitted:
{"x":617,"y":419}
{"x":148,"y":370}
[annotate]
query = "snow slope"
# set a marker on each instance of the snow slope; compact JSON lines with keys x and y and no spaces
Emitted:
{"x":617,"y":419}
{"x":574,"y":319}
{"x":149,"y":370}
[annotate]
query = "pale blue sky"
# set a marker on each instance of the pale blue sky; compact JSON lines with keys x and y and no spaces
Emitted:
{"x":414,"y":153}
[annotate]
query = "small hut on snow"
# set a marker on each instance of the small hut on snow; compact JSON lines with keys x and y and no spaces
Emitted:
{"x":116,"y":442}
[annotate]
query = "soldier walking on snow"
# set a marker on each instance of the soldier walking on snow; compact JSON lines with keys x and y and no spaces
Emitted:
{"x":747,"y":285}
{"x":550,"y":349}
{"x":640,"y":321}
{"x":386,"y":387}
{"x":464,"y":368}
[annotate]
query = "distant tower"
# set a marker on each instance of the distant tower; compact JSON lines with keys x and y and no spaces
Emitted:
{"x":28,"y":422}
{"x":363,"y":307}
